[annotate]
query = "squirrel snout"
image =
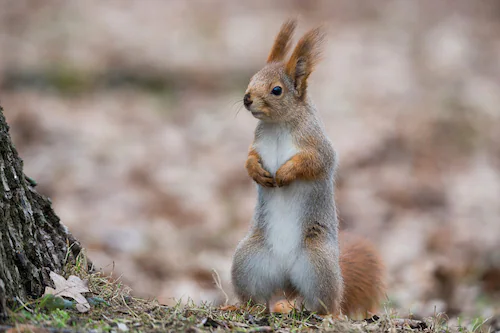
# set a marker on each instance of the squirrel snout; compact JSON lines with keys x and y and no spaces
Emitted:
{"x":247,"y":100}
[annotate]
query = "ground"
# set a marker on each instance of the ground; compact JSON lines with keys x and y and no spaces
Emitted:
{"x":113,"y":309}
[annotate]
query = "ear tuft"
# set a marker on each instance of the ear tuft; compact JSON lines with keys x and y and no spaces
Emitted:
{"x":282,"y":41}
{"x":304,"y":58}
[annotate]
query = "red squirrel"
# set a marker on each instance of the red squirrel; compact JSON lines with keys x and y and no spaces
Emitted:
{"x":293,"y":245}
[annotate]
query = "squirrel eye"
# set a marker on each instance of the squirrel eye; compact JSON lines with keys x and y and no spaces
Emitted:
{"x":276,"y":91}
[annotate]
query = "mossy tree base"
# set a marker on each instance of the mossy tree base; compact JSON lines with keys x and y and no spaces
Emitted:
{"x":33,"y":241}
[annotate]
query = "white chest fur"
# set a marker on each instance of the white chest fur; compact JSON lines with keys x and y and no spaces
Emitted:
{"x":275,"y":146}
{"x":283,"y":206}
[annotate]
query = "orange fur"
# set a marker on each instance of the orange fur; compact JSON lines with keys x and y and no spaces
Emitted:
{"x":304,"y":58}
{"x":283,"y":306}
{"x":306,"y":165}
{"x":282,"y":42}
{"x":256,"y":171}
{"x":363,"y":273}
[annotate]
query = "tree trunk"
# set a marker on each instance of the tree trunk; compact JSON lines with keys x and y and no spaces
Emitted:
{"x":33,"y":241}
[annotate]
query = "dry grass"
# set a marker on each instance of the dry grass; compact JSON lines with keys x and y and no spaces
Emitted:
{"x":118,"y":311}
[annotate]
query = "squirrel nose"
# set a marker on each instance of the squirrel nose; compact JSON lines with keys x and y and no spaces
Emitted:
{"x":247,"y":101}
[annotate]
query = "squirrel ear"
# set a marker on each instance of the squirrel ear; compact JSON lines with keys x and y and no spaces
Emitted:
{"x":305,"y":56}
{"x":282,"y":42}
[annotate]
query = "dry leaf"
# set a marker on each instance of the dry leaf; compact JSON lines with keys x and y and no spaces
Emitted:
{"x":72,"y":287}
{"x":229,"y":308}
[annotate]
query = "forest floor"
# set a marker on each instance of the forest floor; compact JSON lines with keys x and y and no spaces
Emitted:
{"x":114,"y":310}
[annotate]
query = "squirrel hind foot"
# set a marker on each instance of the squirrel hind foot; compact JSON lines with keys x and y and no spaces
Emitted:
{"x":283,"y":306}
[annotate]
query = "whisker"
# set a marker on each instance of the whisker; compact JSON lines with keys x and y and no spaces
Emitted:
{"x":238,"y":101}
{"x":238,"y":111}
{"x":231,"y":104}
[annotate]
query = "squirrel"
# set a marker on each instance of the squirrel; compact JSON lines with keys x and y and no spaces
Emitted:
{"x":294,"y":245}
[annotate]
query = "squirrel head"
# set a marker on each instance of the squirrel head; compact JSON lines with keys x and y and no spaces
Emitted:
{"x":275,"y":92}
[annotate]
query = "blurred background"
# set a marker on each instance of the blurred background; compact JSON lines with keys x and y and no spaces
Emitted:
{"x":126,"y":114}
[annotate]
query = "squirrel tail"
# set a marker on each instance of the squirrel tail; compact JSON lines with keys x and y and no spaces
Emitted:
{"x":364,"y":279}
{"x":363,"y":273}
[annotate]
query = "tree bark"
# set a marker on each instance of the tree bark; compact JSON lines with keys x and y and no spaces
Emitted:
{"x":33,"y":241}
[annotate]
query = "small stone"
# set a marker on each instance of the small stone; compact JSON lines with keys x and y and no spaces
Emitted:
{"x":122,"y":327}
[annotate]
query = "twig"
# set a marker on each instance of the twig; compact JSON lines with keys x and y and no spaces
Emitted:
{"x":23,"y":305}
{"x":218,"y":283}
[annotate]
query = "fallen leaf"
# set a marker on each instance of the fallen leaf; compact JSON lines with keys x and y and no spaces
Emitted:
{"x":72,"y":288}
{"x":229,"y":308}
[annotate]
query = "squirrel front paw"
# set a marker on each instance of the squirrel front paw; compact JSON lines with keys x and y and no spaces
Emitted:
{"x":259,"y":174}
{"x":285,"y":174}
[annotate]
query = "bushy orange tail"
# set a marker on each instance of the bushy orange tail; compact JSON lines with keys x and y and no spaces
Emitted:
{"x":363,"y":273}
